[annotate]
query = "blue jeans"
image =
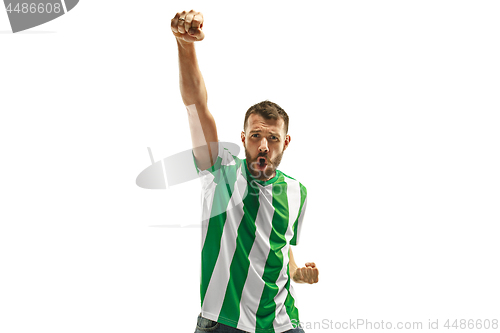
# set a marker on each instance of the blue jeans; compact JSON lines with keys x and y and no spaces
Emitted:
{"x":207,"y":325}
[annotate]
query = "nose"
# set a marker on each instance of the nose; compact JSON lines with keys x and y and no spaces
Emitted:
{"x":263,"y":148}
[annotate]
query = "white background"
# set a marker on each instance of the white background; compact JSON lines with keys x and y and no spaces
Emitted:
{"x":394,"y":118}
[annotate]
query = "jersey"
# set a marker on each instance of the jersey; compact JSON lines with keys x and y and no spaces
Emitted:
{"x":248,"y":226}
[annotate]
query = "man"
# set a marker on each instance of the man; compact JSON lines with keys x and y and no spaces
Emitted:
{"x":252,"y":212}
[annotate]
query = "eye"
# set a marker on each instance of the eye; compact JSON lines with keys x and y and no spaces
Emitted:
{"x":273,"y":137}
{"x":254,"y":135}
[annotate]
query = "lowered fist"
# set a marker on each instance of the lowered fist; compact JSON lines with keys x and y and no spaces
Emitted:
{"x":308,"y":274}
{"x":186,"y":26}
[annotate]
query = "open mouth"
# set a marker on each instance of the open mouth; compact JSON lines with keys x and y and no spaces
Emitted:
{"x":261,"y":162}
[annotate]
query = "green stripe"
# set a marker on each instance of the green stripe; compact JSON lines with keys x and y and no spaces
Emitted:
{"x":226,"y":179}
{"x":240,"y":263}
{"x":267,"y":307}
{"x":291,"y":310}
{"x":303,"y":194}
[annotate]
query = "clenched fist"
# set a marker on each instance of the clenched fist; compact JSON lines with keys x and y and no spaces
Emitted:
{"x":186,"y":26}
{"x":308,"y":274}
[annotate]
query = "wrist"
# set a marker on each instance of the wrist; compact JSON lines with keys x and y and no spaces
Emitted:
{"x":182,"y":43}
{"x":292,"y":273}
{"x":296,"y":279}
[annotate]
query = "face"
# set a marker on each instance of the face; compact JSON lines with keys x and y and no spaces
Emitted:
{"x":264,"y":141}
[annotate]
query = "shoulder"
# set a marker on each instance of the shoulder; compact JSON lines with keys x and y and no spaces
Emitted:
{"x":290,"y":179}
{"x":226,"y":159}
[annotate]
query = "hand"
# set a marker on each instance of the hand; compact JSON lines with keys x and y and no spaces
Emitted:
{"x":186,"y":26}
{"x":308,"y":274}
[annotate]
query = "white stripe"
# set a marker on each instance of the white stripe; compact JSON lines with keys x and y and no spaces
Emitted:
{"x":227,"y":158}
{"x":207,"y":200}
{"x":217,"y":286}
{"x":301,"y":218}
{"x":254,"y":284}
{"x":293,"y":197}
{"x":208,"y":192}
{"x":292,"y":292}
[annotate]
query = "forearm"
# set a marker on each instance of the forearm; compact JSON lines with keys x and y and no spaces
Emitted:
{"x":192,"y":85}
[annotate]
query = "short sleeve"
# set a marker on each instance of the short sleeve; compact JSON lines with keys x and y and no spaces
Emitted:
{"x":224,"y":164}
{"x":213,"y":168}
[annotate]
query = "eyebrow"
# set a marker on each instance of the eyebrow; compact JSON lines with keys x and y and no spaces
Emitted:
{"x":272,"y":133}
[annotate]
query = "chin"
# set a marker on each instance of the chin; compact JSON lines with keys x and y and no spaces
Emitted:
{"x":272,"y":166}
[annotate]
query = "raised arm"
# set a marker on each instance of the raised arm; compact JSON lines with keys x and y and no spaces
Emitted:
{"x":186,"y":27}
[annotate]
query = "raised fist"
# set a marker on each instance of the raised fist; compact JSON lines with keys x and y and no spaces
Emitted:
{"x":186,"y":26}
{"x":308,"y":274}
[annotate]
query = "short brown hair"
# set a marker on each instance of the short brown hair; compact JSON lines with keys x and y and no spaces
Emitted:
{"x":268,"y":110}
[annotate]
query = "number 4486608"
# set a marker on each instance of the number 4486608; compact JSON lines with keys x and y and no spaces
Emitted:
{"x":472,"y":324}
{"x":34,"y":8}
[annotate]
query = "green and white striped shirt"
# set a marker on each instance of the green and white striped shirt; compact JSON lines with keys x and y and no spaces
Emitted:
{"x":247,"y":228}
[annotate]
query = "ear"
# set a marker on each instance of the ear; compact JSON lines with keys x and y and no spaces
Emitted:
{"x":243,"y":139}
{"x":287,"y":141}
